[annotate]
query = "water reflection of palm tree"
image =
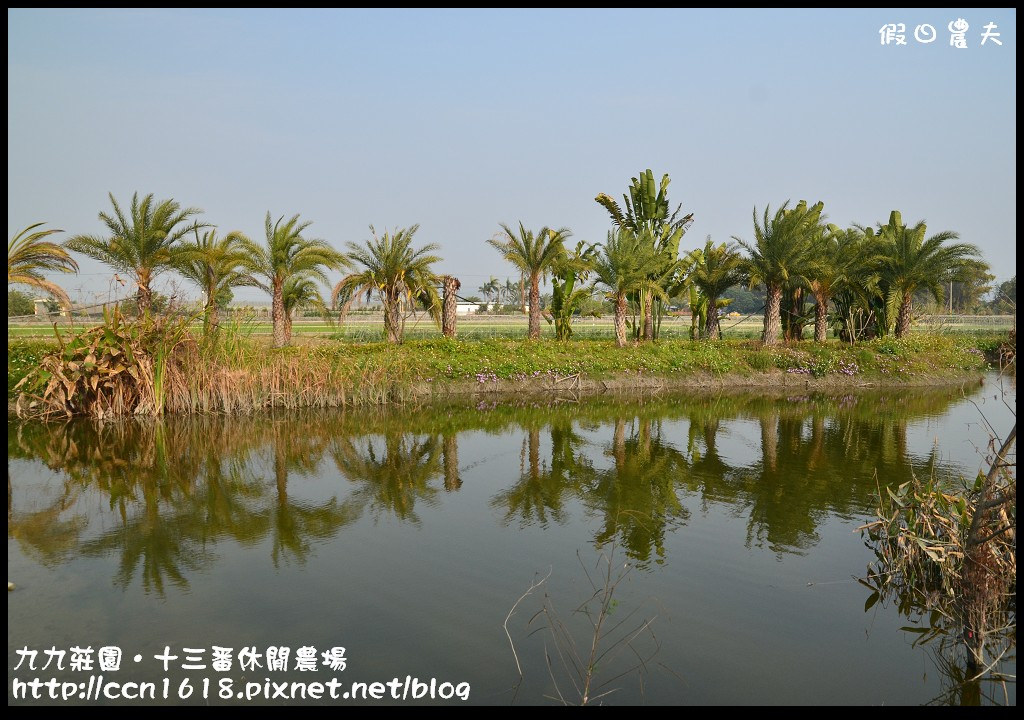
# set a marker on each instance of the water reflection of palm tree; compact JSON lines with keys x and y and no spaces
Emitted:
{"x":811,"y":468}
{"x":540,"y":493}
{"x":46,"y":533}
{"x":637,"y":499}
{"x":159,"y":547}
{"x":138,"y":471}
{"x":178,"y":516}
{"x":298,"y":448}
{"x":176,"y":488}
{"x":707,"y":468}
{"x":391,"y":483}
{"x":779,"y":513}
{"x":179,"y":486}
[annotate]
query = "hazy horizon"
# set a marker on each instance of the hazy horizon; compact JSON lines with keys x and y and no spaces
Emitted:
{"x":462,"y":119}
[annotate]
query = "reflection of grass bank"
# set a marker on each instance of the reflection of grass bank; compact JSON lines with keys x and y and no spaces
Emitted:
{"x":243,"y":375}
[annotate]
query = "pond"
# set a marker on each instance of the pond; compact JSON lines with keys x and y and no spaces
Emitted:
{"x":718,"y":531}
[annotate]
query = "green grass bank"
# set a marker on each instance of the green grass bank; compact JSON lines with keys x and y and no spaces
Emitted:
{"x":242,"y":374}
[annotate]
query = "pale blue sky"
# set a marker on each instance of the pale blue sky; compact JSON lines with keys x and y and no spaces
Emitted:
{"x":459,"y":120}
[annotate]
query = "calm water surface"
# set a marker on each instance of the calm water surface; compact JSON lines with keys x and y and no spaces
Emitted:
{"x":407,"y":536}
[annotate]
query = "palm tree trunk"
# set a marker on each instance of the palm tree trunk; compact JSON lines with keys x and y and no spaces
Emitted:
{"x":277,"y":313}
{"x":448,"y":306}
{"x":711,"y":324}
{"x":792,"y":313}
{"x":820,"y":318}
{"x":903,"y":319}
{"x":210,"y":321}
{"x":534,"y":332}
{"x":144,"y":297}
{"x":620,"y":320}
{"x":522,"y":293}
{"x":648,"y":316}
{"x":287,"y":327}
{"x":392,"y":321}
{"x":772,"y":321}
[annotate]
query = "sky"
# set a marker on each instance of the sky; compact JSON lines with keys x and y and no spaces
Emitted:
{"x":463,"y":119}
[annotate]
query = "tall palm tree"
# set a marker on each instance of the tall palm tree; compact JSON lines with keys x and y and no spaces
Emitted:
{"x":715,"y":269}
{"x":449,"y":304}
{"x":826,"y":272}
{"x":215,"y":264}
{"x":857,"y":295}
{"x":285,"y":254}
{"x":841,"y":268}
{"x":512,"y":291}
{"x":626,"y":265}
{"x":139,"y":244}
{"x":397,"y":273}
{"x":779,"y":255}
{"x":534,"y":255}
{"x":29,"y":255}
{"x":490,"y":290}
{"x":300,"y":291}
{"x":910,"y":262}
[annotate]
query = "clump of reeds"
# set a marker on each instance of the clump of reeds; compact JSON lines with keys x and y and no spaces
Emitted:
{"x":952,"y":555}
{"x":119,"y":368}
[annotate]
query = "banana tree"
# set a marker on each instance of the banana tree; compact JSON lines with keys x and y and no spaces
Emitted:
{"x":703,"y":325}
{"x":566,"y":298}
{"x":647,"y":216}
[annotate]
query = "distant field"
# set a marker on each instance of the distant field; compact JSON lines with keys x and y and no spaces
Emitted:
{"x":371,"y":328}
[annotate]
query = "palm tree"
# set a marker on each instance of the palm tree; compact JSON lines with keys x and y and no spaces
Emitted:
{"x":286,"y":253}
{"x":449,"y":304}
{"x":29,"y":255}
{"x":625,"y":266}
{"x":490,"y":289}
{"x":216,"y":265}
{"x":141,"y":243}
{"x":910,"y":262}
{"x":534,"y":255}
{"x":397,"y":273}
{"x":825,"y":273}
{"x":300,"y":291}
{"x":779,"y":255}
{"x":715,"y":269}
{"x":512,"y":291}
{"x":841,"y":268}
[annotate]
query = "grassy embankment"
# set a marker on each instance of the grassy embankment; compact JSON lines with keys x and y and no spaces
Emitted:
{"x":242,"y":374}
